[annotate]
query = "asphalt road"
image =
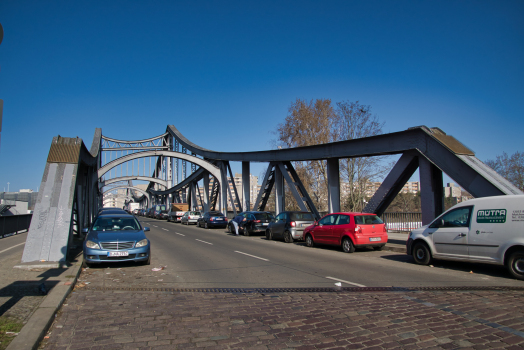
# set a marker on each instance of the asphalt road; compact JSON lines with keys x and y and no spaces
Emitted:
{"x":12,"y":245}
{"x":199,"y":258}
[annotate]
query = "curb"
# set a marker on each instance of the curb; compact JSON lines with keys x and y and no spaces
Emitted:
{"x":35,"y":329}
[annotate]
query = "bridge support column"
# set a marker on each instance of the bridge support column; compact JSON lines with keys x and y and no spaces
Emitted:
{"x":246,"y":186}
{"x":206,"y":191}
{"x":333,"y":174}
{"x":280,"y":197}
{"x":431,"y":190}
{"x":224,"y":187}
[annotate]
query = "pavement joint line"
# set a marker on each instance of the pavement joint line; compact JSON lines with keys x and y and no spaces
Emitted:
{"x":5,"y":250}
{"x":203,"y":241}
{"x":343,"y":281}
{"x":253,"y":256}
{"x":446,"y":308}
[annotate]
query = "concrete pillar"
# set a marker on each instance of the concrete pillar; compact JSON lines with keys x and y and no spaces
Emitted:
{"x":333,"y":174}
{"x":431,"y":190}
{"x":280,"y":193}
{"x":246,"y":186}
{"x":224,"y":187}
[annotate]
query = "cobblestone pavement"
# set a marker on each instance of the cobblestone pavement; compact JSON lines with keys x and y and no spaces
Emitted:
{"x":108,"y":318}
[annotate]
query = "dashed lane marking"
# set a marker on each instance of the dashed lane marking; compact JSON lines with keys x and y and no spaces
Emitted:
{"x":180,"y":234}
{"x":203,"y":241}
{"x":165,"y":229}
{"x":253,"y":256}
{"x":343,"y":281}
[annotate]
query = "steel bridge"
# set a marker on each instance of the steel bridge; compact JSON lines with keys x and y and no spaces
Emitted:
{"x":77,"y":181}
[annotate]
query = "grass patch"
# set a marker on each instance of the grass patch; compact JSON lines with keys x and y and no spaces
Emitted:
{"x":8,"y":324}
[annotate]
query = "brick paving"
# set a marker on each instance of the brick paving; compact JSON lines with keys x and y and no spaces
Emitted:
{"x":119,"y":319}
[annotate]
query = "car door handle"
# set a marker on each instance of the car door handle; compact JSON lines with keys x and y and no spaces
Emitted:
{"x":462,"y":234}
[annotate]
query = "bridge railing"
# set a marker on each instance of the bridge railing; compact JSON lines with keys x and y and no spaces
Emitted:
{"x":12,"y":224}
{"x":402,"y":221}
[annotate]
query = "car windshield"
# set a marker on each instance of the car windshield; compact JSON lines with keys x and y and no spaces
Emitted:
{"x":115,"y":224}
{"x":194,"y":213}
{"x":367,"y":220}
{"x":263,"y":216}
{"x":302,"y":217}
{"x":215,"y":213}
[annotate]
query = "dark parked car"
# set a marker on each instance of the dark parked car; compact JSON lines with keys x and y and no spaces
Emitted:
{"x":116,"y":237}
{"x":255,"y":222}
{"x":212,"y":219}
{"x":162,"y":214}
{"x":289,"y":225}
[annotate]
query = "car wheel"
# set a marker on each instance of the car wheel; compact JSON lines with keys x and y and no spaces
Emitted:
{"x":287,"y":237}
{"x":379,"y":248}
{"x":269,"y":235}
{"x":421,"y":253}
{"x":148,"y":261}
{"x":516,"y":265}
{"x":206,"y":226}
{"x":85,"y":264}
{"x":348,"y":246}
{"x":246,"y":231}
{"x":309,"y":241}
{"x":229,"y":230}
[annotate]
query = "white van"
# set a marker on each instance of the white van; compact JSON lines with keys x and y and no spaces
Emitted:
{"x":488,"y":230}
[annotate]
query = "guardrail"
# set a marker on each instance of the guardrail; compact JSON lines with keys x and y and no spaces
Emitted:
{"x":13,"y":224}
{"x":402,"y":221}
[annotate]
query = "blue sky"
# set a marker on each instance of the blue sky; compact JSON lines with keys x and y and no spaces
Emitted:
{"x":225,"y":72}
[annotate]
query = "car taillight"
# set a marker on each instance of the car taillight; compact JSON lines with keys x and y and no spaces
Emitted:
{"x":358,"y":229}
{"x":211,"y":219}
{"x":256,"y":220}
{"x":385,"y":228}
{"x":293,"y":224}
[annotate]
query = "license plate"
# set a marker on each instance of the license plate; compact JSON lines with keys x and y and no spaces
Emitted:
{"x":219,"y":219}
{"x":264,"y":224}
{"x":125,"y":253}
{"x":374,"y":239}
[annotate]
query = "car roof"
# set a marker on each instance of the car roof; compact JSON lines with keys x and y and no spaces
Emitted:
{"x":114,"y":215}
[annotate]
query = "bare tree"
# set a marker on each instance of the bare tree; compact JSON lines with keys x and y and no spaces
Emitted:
{"x":510,"y":167}
{"x":317,"y":122}
{"x":356,"y":121}
{"x":309,"y":123}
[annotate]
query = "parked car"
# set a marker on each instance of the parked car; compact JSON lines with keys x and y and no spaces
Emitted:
{"x":255,"y":222}
{"x":212,"y":219}
{"x":116,"y":237}
{"x":162,"y":214}
{"x":487,"y":230}
{"x":348,"y":230}
{"x":190,"y":217}
{"x":175,"y":215}
{"x":289,"y":225}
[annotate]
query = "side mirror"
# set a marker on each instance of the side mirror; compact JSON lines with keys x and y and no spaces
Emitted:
{"x":146,"y":229}
{"x":85,"y":230}
{"x":316,"y":223}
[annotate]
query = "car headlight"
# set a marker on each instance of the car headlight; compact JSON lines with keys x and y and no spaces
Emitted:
{"x":141,"y":243}
{"x":92,"y":245}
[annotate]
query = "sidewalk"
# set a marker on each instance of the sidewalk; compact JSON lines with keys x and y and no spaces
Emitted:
{"x":22,"y":297}
{"x":397,"y":242}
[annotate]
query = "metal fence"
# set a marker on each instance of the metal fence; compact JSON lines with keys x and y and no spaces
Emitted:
{"x":402,"y":221}
{"x":12,"y":224}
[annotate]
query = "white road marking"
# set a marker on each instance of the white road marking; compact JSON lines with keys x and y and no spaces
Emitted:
{"x":203,"y":241}
{"x":253,"y":256}
{"x":180,"y":234}
{"x":155,"y":226}
{"x":165,"y":229}
{"x":5,"y":250}
{"x":354,"y":284}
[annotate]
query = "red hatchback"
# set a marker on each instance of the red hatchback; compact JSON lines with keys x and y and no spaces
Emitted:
{"x":349,"y":230}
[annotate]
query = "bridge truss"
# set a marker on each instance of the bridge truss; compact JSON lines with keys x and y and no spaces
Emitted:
{"x":155,"y":171}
